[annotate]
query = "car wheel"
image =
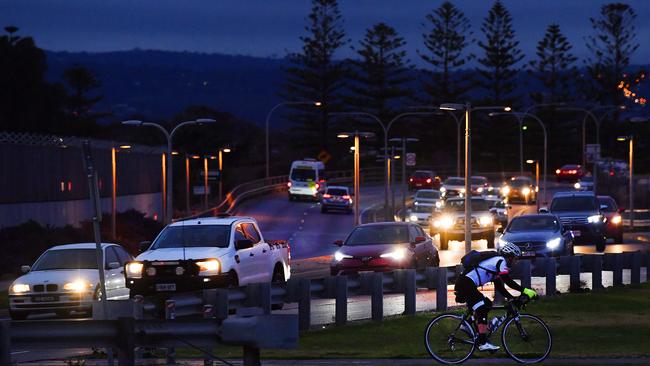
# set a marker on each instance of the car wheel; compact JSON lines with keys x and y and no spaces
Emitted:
{"x":278,"y":278}
{"x":233,"y":281}
{"x":490,"y":240}
{"x":444,"y":242}
{"x":18,"y":315}
{"x":601,"y":244}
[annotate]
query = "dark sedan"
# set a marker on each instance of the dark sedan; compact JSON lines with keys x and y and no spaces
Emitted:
{"x":538,"y":236}
{"x":381,"y":247}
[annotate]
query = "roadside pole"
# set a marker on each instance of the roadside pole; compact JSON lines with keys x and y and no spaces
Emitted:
{"x":404,"y":185}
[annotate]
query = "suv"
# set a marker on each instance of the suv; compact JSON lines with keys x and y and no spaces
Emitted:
{"x":580,"y":213}
{"x":450,"y":223}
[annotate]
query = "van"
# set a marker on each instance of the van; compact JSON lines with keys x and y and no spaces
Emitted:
{"x":307,"y":179}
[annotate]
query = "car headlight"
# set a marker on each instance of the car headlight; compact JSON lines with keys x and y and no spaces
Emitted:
{"x":134,"y":269}
{"x":19,"y":288}
{"x":462,"y":190}
{"x":443,"y":189}
{"x":553,"y":243}
{"x":525,"y":191}
{"x":485,"y":220}
{"x":505,"y":190}
{"x":577,"y":185}
{"x":438,"y":204}
{"x":595,"y":219}
{"x":338,"y":256}
{"x":209,"y":267}
{"x":616,"y":219}
{"x":444,"y":222}
{"x":397,"y":255}
{"x":413,"y":218}
{"x":416,"y":203}
{"x":479,"y":189}
{"x":77,"y":286}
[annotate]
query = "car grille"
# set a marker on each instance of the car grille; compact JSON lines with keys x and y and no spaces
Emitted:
{"x":574,"y":220}
{"x":48,"y":287}
{"x":460,"y":222}
{"x":531,"y":245}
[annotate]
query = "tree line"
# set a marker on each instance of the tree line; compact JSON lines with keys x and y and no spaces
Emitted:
{"x":382,"y":80}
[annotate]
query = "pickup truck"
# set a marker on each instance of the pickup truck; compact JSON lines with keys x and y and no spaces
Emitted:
{"x":206,"y":253}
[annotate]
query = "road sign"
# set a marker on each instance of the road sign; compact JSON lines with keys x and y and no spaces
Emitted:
{"x":324,"y":156}
{"x":592,"y":152}
{"x":410,"y":159}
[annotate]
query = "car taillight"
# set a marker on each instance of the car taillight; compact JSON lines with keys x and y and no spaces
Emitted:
{"x":326,"y":195}
{"x":411,"y":179}
{"x":428,"y":180}
{"x":573,"y":171}
{"x":322,"y":180}
{"x":289,"y":184}
{"x":317,"y":185}
{"x":346,"y":197}
{"x":611,"y":173}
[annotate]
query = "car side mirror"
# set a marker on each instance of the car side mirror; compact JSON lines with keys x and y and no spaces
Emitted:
{"x":621,"y":210}
{"x":543,"y":210}
{"x":339,"y":242}
{"x":25,"y":269}
{"x":243,"y":244}
{"x":500,"y":230}
{"x":114,"y":265}
{"x":143,"y":246}
{"x":603,"y":207}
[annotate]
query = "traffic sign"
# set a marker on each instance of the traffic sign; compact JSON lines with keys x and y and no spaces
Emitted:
{"x":410,"y":159}
{"x":592,"y":152}
{"x":324,"y":156}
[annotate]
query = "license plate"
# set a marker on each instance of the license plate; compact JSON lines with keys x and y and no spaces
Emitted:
{"x":575,"y":233}
{"x":45,"y":298}
{"x":165,"y":287}
{"x":528,"y":254}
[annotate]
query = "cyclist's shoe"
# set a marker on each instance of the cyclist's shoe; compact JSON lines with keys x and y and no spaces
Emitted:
{"x":487,"y":346}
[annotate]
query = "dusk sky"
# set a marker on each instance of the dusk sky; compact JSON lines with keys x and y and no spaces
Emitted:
{"x":272,"y":27}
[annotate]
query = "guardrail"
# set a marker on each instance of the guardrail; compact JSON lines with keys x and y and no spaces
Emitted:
{"x":407,"y":282}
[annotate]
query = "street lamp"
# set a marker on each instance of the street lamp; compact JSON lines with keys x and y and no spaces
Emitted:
{"x":357,"y":196}
{"x":169,"y":136}
{"x":630,"y":139}
{"x":536,"y":162}
{"x":404,"y":140}
{"x":520,"y":117}
{"x":268,"y":119}
{"x":221,"y":152}
{"x":467,"y":108}
{"x":114,"y":151}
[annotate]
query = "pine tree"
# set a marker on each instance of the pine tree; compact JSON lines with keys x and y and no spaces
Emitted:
{"x":554,"y":67}
{"x":380,"y":77}
{"x":315,"y":75}
{"x":611,"y":48}
{"x":447,"y":35}
{"x":82,"y":81}
{"x":501,"y":56}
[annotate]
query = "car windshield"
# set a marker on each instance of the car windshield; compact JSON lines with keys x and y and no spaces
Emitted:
{"x":423,"y":208}
{"x":477,"y":181}
{"x":428,"y":194}
{"x":190,"y":236}
{"x":587,"y":179}
{"x":570,"y":167}
{"x":303,"y":175}
{"x":459,"y":205}
{"x":421,"y":175}
{"x":66,"y":259}
{"x":533,"y":223}
{"x":379,"y":234}
{"x":518,"y":182}
{"x":337,"y":191}
{"x":454,"y":181}
{"x":584,"y":203}
{"x":608,"y":204}
{"x":497,"y":204}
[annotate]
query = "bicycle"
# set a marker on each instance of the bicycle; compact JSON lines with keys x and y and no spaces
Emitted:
{"x":451,"y":338}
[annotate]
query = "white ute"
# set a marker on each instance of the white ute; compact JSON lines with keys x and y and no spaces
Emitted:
{"x":205,"y":253}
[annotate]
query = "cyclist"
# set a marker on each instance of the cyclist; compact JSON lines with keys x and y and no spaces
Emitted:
{"x":495,"y":269}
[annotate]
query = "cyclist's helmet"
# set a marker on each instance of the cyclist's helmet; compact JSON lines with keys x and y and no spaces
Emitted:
{"x":510,"y":250}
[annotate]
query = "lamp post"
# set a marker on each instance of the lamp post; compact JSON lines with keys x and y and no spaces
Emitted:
{"x":386,"y":129}
{"x":357,"y":196}
{"x":169,"y":136}
{"x":221,"y":151}
{"x":467,"y":108}
{"x":630,"y":140}
{"x":536,"y":162}
{"x":114,"y":151}
{"x":268,"y":119}
{"x":404,"y":140}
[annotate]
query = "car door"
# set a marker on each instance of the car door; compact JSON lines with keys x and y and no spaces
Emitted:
{"x":419,"y":247}
{"x":122,"y":291}
{"x":114,"y":276}
{"x":245,"y":256}
{"x":262,"y":254}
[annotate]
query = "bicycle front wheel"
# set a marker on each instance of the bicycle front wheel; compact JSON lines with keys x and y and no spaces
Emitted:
{"x":526,"y":339}
{"x":449,"y":339}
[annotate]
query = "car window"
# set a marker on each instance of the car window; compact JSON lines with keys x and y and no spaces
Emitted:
{"x":533,"y":223}
{"x":188,"y":236}
{"x":239,"y":233}
{"x":420,"y":231}
{"x":454,"y":182}
{"x":378,"y":234}
{"x":321,"y":174}
{"x":422,"y":175}
{"x":111,"y":256}
{"x":66,"y":259}
{"x":251,"y":233}
{"x":303,"y":175}
{"x":123,"y":255}
{"x":584,"y":203}
{"x":427,"y":194}
{"x":610,"y":203}
{"x":337,"y":191}
{"x":413,"y":233}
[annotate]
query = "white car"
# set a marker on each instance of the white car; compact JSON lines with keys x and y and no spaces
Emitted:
{"x":428,"y":196}
{"x":420,"y":213}
{"x":65,"y":278}
{"x":453,"y":187}
{"x":205,"y":253}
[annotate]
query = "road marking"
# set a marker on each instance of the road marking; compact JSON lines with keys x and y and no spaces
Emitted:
{"x":19,"y":352}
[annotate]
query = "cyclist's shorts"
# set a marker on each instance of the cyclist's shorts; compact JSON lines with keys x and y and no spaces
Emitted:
{"x":466,"y":292}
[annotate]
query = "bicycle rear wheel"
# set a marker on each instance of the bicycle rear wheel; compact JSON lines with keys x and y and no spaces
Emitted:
{"x":448,"y":340}
{"x":526,"y":339}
